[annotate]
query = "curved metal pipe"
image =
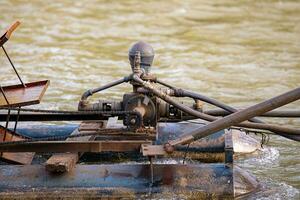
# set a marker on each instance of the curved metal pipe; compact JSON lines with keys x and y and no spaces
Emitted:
{"x":274,"y":128}
{"x":239,"y":116}
{"x":214,"y":102}
{"x":185,"y":93}
{"x":90,"y":92}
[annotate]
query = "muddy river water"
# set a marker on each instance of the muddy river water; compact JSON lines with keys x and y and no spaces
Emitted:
{"x":240,"y":52}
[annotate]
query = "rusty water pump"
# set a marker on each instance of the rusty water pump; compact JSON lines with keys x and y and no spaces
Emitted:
{"x":153,"y":103}
{"x":148,"y":104}
{"x":149,"y":107}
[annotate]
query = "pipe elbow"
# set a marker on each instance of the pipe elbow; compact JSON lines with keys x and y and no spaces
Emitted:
{"x":86,"y":94}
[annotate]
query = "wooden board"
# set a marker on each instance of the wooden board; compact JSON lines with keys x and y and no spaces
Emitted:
{"x":20,"y":158}
{"x":65,"y":162}
{"x":6,"y":35}
{"x":91,"y":126}
{"x":18,"y":96}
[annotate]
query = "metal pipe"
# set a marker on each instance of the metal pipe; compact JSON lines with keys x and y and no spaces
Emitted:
{"x":167,"y":98}
{"x":109,"y":85}
{"x":214,"y":102}
{"x":238,"y":117}
{"x":185,"y":93}
{"x":17,"y":120}
{"x":273,"y":113}
{"x":6,"y":124}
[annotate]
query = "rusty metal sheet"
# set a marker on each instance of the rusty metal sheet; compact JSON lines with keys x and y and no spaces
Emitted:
{"x":119,"y":181}
{"x":20,"y":158}
{"x":18,"y":95}
{"x":171,"y":131}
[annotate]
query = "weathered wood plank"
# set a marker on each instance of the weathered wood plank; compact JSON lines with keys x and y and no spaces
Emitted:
{"x":60,"y":163}
{"x":65,"y":162}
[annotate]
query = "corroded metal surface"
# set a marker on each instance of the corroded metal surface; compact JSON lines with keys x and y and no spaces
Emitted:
{"x":210,"y":149}
{"x":244,"y":183}
{"x":20,"y":158}
{"x":243,"y":143}
{"x":74,"y":146}
{"x":17,"y":95}
{"x":171,"y":131}
{"x":186,"y":181}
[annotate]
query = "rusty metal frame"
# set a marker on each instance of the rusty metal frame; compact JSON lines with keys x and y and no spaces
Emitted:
{"x":23,"y":99}
{"x":74,"y":146}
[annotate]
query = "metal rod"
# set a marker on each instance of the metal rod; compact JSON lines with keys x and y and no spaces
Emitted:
{"x":151,"y":170}
{"x":17,"y":119}
{"x":5,"y":97}
{"x":13,"y":67}
{"x":6,"y":124}
{"x":273,"y":113}
{"x":239,"y":116}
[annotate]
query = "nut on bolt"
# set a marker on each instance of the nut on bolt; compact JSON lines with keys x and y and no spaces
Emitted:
{"x":132,"y":121}
{"x":168,"y":148}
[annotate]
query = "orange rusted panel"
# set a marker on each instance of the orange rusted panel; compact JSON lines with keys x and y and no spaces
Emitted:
{"x":18,"y":95}
{"x":21,"y":158}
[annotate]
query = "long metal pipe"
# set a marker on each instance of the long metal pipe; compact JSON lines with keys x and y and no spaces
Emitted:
{"x":239,"y":117}
{"x":273,"y":113}
{"x":185,"y":93}
{"x":167,"y":98}
{"x":214,"y":102}
{"x":90,"y":92}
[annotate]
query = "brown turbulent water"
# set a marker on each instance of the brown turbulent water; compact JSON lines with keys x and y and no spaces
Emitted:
{"x":240,"y":52}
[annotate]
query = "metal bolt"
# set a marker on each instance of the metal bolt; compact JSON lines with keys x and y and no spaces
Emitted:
{"x":132,"y":121}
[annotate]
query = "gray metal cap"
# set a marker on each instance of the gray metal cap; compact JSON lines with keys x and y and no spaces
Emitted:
{"x":146,"y":52}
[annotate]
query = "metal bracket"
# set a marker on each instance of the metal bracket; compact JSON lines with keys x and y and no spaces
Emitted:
{"x":228,"y":146}
{"x":153,"y":150}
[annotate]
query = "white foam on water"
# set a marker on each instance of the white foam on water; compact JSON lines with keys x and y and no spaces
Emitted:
{"x":276,"y":191}
{"x":266,"y":157}
{"x":266,"y":160}
{"x":269,"y":156}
